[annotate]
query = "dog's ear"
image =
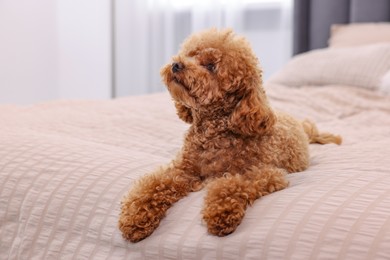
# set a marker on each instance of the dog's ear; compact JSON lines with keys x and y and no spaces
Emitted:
{"x":252,"y":115}
{"x":183,"y":112}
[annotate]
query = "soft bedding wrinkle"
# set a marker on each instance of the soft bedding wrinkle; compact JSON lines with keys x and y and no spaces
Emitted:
{"x":65,"y":166}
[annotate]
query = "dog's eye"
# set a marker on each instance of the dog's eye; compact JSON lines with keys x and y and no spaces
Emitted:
{"x":210,"y":67}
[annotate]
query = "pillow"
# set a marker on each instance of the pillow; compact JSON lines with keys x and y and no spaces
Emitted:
{"x":358,"y":34}
{"x":362,"y":66}
{"x":385,"y":83}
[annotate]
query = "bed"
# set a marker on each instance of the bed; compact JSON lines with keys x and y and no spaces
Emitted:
{"x":65,"y":165}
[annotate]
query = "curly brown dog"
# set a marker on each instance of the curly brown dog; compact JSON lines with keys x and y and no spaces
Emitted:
{"x":236,"y":141}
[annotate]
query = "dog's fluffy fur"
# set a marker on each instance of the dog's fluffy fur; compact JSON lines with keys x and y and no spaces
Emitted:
{"x":236,"y":141}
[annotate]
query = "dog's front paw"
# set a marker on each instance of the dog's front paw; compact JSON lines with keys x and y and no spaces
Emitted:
{"x":134,"y":233}
{"x":138,"y":223}
{"x":223,"y":217}
{"x":275,"y":183}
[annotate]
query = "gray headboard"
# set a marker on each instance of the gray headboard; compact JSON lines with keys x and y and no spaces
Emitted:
{"x":313,"y":18}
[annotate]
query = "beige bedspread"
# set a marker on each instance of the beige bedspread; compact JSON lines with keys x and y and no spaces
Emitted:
{"x":65,"y":165}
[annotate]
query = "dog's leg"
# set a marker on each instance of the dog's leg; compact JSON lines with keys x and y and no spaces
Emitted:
{"x":228,"y":196}
{"x":150,"y":198}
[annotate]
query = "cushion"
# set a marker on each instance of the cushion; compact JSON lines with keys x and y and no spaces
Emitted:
{"x":385,"y":83}
{"x":362,"y":66}
{"x":358,"y":34}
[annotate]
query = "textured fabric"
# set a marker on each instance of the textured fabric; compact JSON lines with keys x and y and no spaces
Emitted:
{"x":361,"y":66}
{"x":313,"y":19}
{"x":347,"y":35}
{"x":65,"y":166}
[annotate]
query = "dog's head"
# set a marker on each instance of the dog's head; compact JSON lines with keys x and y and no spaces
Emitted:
{"x":216,"y":72}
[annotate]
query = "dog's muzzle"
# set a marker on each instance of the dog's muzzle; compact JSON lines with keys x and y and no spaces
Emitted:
{"x":177,"y":67}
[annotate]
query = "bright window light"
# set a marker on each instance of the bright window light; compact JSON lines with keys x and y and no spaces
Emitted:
{"x":183,"y":4}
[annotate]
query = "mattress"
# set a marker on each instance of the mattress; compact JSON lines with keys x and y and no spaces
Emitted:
{"x":66,"y":165}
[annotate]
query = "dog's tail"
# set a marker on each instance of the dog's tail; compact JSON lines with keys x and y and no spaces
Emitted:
{"x":317,"y":137}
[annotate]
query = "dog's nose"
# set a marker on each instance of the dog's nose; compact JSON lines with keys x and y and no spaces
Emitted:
{"x":177,"y":66}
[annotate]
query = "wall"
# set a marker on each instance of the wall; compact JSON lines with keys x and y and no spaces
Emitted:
{"x":54,"y":49}
{"x":84,"y":49}
{"x":28,"y":51}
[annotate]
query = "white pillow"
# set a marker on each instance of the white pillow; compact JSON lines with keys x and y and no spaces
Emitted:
{"x":362,"y":66}
{"x":385,"y":83}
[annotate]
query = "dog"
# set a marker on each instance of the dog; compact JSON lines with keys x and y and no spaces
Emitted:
{"x":236,"y":145}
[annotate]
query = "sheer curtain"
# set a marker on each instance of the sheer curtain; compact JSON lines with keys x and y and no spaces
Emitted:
{"x":148,"y":32}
